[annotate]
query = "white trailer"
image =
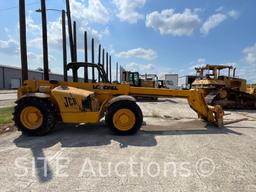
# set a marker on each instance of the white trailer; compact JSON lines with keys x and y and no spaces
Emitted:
{"x":171,"y":81}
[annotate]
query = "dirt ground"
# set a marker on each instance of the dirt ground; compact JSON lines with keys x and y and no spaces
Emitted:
{"x":174,"y":151}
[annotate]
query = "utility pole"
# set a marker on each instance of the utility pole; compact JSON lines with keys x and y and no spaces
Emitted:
{"x":45,"y":43}
{"x":23,"y":40}
{"x":64,"y":44}
{"x":70,"y":31}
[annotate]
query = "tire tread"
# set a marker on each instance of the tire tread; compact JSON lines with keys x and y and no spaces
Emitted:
{"x":49,"y":115}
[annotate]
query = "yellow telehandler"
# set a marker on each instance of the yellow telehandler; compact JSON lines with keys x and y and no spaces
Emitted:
{"x":41,"y":103}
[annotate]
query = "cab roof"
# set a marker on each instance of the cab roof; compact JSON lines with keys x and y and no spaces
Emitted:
{"x":212,"y":67}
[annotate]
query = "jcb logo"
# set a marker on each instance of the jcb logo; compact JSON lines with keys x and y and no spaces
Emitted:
{"x":70,"y":101}
{"x":106,"y":87}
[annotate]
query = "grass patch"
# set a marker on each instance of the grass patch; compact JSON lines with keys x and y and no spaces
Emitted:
{"x":6,"y":115}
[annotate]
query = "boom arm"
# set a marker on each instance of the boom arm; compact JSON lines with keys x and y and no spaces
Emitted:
{"x":213,"y":114}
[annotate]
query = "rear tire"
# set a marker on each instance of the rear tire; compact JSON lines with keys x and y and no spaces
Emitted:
{"x":131,"y":114}
{"x":35,"y":125}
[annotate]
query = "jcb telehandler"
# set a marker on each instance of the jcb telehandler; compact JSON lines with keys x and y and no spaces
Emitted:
{"x":41,"y":103}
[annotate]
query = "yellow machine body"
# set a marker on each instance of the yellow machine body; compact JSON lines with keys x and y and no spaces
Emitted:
{"x":147,"y":83}
{"x":223,"y":88}
{"x":251,"y":89}
{"x":43,"y":103}
{"x":234,"y":83}
{"x":72,"y":105}
{"x":137,"y":80}
{"x":101,"y":96}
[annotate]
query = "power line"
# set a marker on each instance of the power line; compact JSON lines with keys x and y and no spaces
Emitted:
{"x":16,"y":7}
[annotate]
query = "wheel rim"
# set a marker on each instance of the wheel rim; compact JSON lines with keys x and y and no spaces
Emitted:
{"x":124,"y":119}
{"x":31,"y":117}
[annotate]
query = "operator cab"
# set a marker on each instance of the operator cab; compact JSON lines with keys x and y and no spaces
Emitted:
{"x":132,"y":78}
{"x":219,"y":72}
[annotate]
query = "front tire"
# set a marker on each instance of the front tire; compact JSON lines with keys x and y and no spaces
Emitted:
{"x":124,"y":117}
{"x":34,"y":116}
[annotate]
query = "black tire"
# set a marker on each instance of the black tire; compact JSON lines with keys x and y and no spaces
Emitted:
{"x":132,"y":106}
{"x":47,"y":109}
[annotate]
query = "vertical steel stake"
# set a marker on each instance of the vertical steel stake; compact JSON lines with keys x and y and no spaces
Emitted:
{"x":64,"y":44}
{"x":103,"y":59}
{"x":93,"y":74}
{"x":70,"y":31}
{"x":75,"y":75}
{"x":110,"y":69}
{"x":99,"y":55}
{"x":116,"y":71}
{"x":107,"y":66}
{"x":85,"y":57}
{"x":23,"y":41}
{"x":45,"y":43}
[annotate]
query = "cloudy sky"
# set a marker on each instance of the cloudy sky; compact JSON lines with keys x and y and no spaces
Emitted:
{"x":142,"y":35}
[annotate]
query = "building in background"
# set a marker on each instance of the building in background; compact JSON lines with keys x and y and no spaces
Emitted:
{"x":10,"y":77}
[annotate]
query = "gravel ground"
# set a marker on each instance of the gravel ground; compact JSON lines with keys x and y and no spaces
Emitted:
{"x":174,"y":151}
{"x":7,"y":98}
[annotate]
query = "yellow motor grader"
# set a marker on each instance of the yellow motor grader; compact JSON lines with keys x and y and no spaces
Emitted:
{"x":220,"y":86}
